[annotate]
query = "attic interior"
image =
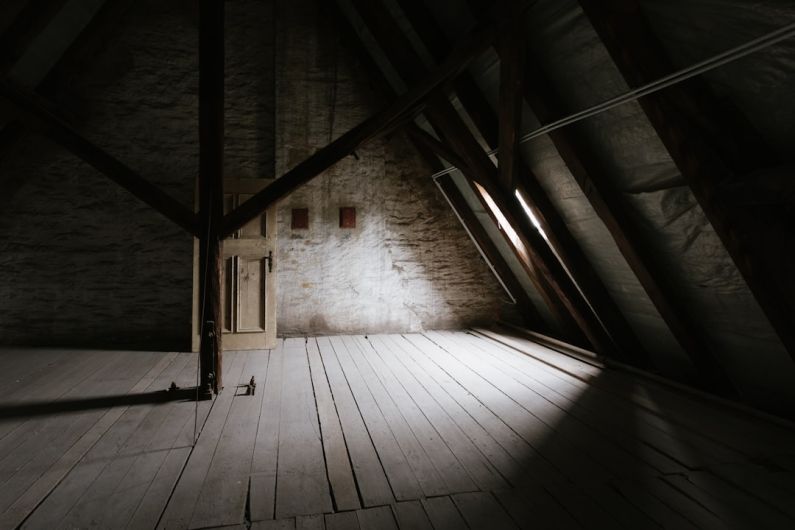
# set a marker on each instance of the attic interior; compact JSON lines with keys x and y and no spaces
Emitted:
{"x":381,"y":264}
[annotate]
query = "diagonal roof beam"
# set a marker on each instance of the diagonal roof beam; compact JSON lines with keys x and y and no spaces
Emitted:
{"x":410,"y":102}
{"x":476,"y":230}
{"x":485,"y":121}
{"x":584,"y":166}
{"x":37,"y":116}
{"x":454,"y":132}
{"x":710,"y":144}
{"x":446,"y":120}
{"x":431,"y":148}
{"x":558,"y":310}
{"x":612,"y":209}
{"x":26,"y":25}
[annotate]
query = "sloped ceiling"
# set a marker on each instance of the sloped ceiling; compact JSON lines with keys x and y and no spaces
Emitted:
{"x":579,"y":69}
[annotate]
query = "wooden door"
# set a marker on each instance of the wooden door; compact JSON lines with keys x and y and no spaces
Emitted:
{"x":248,"y":297}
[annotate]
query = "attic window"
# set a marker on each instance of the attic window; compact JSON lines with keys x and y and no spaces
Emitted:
{"x":533,"y":218}
{"x":503,"y":223}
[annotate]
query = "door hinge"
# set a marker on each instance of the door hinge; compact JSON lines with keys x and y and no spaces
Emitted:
{"x":270,"y":261}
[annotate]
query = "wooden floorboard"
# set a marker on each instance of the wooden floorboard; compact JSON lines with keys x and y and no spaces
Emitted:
{"x":224,"y":492}
{"x":411,"y":393}
{"x":473,"y":422}
{"x":182,"y":504}
{"x":338,"y":462}
{"x":404,"y":483}
{"x":481,"y":510}
{"x":430,"y":461}
{"x":678,"y":445}
{"x":373,"y":485}
{"x":560,"y":453}
{"x":302,"y":487}
{"x":52,"y":383}
{"x":35,"y":466}
{"x":609,"y":419}
{"x":432,"y":431}
{"x":79,"y":499}
{"x":561,"y":425}
{"x":262,"y":497}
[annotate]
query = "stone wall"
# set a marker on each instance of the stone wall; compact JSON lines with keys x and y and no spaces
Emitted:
{"x":408,"y":265}
{"x":86,"y":264}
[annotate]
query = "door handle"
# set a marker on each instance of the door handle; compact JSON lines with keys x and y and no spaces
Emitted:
{"x":270,"y":261}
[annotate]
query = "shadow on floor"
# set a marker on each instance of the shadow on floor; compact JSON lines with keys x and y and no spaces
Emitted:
{"x":47,"y":408}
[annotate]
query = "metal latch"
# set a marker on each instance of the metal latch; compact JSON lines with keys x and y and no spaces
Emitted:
{"x":270,"y":261}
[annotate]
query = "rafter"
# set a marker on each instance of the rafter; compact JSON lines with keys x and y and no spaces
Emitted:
{"x":500,"y":267}
{"x":34,"y":17}
{"x":710,"y":143}
{"x":410,"y":102}
{"x":559,"y":312}
{"x":28,"y":23}
{"x":489,"y":250}
{"x":485,"y":120}
{"x":35,"y":114}
{"x":611,"y":208}
{"x":454,"y":132}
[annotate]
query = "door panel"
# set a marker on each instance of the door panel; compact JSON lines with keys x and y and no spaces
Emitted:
{"x":227,"y":294}
{"x":248,"y":284}
{"x":251,"y":277}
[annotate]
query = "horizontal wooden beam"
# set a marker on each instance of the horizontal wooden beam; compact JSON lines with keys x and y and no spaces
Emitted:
{"x":410,"y":102}
{"x":35,"y":114}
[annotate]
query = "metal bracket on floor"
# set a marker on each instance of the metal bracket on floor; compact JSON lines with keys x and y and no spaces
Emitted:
{"x":251,"y":387}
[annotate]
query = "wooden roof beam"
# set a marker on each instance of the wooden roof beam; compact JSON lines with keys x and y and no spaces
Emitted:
{"x":710,"y":143}
{"x":485,"y":120}
{"x":35,"y":114}
{"x":410,"y":102}
{"x":560,"y":313}
{"x":447,"y":122}
{"x":455,"y":133}
{"x":455,"y":198}
{"x":26,"y":26}
{"x":612,"y":209}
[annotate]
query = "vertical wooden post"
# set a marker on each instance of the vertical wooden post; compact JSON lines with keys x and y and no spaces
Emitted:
{"x":211,"y":192}
{"x":510,"y":47}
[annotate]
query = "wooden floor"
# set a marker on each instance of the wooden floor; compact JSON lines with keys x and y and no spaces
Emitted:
{"x":439,"y":430}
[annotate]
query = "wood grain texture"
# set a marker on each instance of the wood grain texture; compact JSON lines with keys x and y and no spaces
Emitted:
{"x":523,"y":423}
